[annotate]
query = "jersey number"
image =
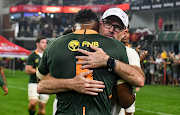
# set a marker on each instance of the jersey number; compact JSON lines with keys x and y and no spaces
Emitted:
{"x":79,"y":70}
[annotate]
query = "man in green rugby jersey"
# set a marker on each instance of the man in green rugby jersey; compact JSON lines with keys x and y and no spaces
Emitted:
{"x":3,"y":82}
{"x":31,"y":66}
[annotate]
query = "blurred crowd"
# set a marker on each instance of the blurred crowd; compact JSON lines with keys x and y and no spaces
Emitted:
{"x":162,"y":68}
{"x":47,"y":26}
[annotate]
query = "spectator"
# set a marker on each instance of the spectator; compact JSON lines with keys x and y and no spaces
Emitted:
{"x":160,"y":74}
{"x":152,"y":69}
{"x":35,"y":32}
{"x":168,"y":62}
{"x":170,"y":27}
{"x":22,"y":32}
{"x":61,"y":30}
{"x":160,"y":22}
{"x":166,"y":27}
{"x":28,"y":32}
{"x":175,"y":69}
{"x":158,"y":61}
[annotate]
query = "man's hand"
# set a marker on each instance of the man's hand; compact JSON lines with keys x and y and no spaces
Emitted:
{"x":95,"y":59}
{"x":86,"y":86}
{"x":5,"y":89}
{"x":143,"y":56}
{"x":137,"y":48}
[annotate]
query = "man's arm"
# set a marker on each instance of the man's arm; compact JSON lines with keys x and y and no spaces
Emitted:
{"x":29,"y":69}
{"x":3,"y":75}
{"x":4,"y":87}
{"x":79,"y":83}
{"x":131,"y":74}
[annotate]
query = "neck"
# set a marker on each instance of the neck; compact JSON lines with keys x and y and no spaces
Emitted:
{"x":39,"y":50}
{"x":88,"y":25}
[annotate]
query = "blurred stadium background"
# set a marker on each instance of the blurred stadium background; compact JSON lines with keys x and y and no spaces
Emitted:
{"x":21,"y":21}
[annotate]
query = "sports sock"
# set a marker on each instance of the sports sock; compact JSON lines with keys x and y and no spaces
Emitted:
{"x":41,"y":113}
{"x":32,"y":112}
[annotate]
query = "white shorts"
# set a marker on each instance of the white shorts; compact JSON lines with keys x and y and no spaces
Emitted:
{"x":32,"y":93}
{"x":131,"y":109}
{"x":55,"y":106}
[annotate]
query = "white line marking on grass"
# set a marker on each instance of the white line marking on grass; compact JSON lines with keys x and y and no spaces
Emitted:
{"x":153,"y":112}
{"x":17,"y":88}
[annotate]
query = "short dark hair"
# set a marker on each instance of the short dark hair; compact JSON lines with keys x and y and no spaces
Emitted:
{"x":85,"y":16}
{"x":39,"y":39}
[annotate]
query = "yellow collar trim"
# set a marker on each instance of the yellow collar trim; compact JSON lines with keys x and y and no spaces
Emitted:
{"x":36,"y":52}
{"x":87,"y":31}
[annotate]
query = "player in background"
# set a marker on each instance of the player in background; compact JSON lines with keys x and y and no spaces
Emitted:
{"x":3,"y":82}
{"x":31,"y":66}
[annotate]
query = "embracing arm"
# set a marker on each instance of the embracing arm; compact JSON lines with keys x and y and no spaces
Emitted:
{"x":79,"y":83}
{"x":130,"y":73}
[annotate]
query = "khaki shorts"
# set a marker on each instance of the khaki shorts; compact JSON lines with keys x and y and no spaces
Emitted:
{"x":32,"y":93}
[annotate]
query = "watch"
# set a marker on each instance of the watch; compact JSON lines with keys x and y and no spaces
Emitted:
{"x":111,"y":63}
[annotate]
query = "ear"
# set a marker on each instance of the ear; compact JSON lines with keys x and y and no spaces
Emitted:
{"x":73,"y":30}
{"x":100,"y":22}
{"x":37,"y":44}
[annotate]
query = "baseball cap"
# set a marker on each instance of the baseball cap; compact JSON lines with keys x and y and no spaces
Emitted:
{"x":117,"y":12}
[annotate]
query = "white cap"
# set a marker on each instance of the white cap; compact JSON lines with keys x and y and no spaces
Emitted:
{"x":117,"y":12}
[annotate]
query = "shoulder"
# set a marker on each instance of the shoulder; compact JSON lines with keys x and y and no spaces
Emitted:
{"x":131,"y":50}
{"x":133,"y":57}
{"x":32,"y":54}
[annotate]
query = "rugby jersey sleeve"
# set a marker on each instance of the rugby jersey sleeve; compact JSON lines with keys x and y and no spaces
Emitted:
{"x":30,"y":60}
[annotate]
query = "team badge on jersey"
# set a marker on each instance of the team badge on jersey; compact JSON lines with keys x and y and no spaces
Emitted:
{"x":74,"y":45}
{"x":37,"y":60}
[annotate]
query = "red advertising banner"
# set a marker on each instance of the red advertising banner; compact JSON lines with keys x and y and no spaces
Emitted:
{"x":26,"y":8}
{"x":71,"y":9}
{"x":65,"y":9}
{"x":124,"y":6}
{"x":51,"y":9}
{"x":95,"y":8}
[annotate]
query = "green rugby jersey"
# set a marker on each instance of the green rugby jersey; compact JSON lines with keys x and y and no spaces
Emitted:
{"x":33,"y":60}
{"x":59,"y":60}
{"x":1,"y":80}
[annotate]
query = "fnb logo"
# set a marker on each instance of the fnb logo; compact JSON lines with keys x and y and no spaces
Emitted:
{"x":86,"y":43}
{"x":74,"y":45}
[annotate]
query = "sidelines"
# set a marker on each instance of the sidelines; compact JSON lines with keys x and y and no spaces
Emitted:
{"x":14,"y":87}
{"x":159,"y":113}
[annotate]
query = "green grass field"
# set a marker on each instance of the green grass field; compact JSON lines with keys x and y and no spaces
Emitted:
{"x":151,"y":99}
